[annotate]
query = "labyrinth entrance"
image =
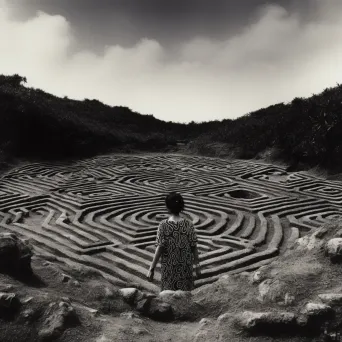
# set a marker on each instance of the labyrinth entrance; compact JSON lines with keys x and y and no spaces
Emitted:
{"x":104,"y":212}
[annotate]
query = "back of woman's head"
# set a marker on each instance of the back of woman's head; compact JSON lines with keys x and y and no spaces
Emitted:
{"x":174,"y":202}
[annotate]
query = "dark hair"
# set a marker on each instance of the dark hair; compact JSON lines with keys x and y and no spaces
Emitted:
{"x":174,"y":202}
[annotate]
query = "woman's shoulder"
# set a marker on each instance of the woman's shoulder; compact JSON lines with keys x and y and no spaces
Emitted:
{"x":187,"y":221}
{"x":184,"y":220}
{"x":164,"y":223}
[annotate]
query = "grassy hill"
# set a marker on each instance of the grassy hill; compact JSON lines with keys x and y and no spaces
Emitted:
{"x":306,"y":131}
{"x":35,"y":124}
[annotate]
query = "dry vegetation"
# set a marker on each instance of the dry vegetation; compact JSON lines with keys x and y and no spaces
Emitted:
{"x":35,"y":124}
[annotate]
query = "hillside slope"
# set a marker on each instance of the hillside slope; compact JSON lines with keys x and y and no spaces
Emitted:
{"x":307,"y":131}
{"x":35,"y":124}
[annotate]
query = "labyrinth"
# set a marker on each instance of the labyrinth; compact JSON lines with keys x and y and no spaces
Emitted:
{"x":104,"y":212}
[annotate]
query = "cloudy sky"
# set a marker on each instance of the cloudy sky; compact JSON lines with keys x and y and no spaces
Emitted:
{"x":180,"y":60}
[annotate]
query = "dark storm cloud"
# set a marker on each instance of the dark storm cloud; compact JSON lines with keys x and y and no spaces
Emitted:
{"x":179,"y":61}
{"x":104,"y":22}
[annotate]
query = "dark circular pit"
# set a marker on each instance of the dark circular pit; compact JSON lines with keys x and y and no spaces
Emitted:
{"x":161,"y":216}
{"x":244,"y":194}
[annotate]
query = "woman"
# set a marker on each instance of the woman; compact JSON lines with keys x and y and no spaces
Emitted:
{"x":177,"y":245}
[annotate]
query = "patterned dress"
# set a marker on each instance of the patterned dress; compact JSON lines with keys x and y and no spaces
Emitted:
{"x":177,"y":240}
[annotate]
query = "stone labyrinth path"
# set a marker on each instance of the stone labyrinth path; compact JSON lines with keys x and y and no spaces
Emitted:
{"x":104,"y":212}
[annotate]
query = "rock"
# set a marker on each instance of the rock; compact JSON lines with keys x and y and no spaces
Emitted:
{"x":333,"y":249}
{"x":331,"y":298}
{"x":76,"y":283}
{"x":9,"y":302}
{"x":313,"y":316}
{"x":274,"y":291}
{"x":169,"y":296}
{"x":316,"y":309}
{"x":135,"y":297}
{"x":182,"y":304}
{"x":259,"y":275}
{"x":338,"y":234}
{"x":15,"y":255}
{"x":151,"y":306}
{"x":308,"y":242}
{"x":65,"y":278}
{"x":321,"y":232}
{"x":155,"y":308}
{"x":129,"y":294}
{"x":58,"y":317}
{"x":265,"y":322}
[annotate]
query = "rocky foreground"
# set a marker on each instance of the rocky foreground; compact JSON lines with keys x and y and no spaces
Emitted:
{"x":298,"y":297}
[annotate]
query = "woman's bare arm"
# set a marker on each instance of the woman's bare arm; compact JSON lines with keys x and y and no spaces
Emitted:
{"x":156,"y":258}
{"x":157,"y":255}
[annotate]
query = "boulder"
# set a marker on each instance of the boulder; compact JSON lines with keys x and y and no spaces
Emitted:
{"x":259,"y":275}
{"x":313,"y":316}
{"x":15,"y":255}
{"x":266,"y":323}
{"x":58,"y":317}
{"x":338,"y":234}
{"x":331,"y":299}
{"x":274,"y":291}
{"x":321,"y":232}
{"x":170,"y":296}
{"x":148,"y":304}
{"x":182,"y":304}
{"x":130,"y":294}
{"x":333,"y":249}
{"x":309,"y":242}
{"x":155,"y":308}
{"x":316,"y":309}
